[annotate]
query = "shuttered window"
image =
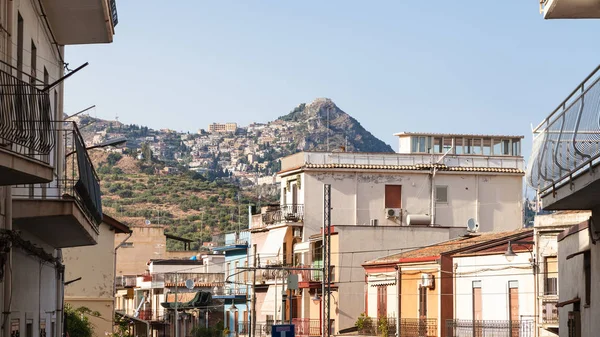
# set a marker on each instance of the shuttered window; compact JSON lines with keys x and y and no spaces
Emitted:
{"x":393,"y":196}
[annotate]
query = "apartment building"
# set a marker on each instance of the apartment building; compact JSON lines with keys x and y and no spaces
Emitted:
{"x":427,"y":192}
{"x":50,"y":193}
{"x":220,"y":128}
{"x":93,"y":283}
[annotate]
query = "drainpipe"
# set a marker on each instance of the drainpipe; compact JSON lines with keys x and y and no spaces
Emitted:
{"x":8,"y":264}
{"x":60,"y":296}
{"x":477,"y":198}
{"x":398,"y":306}
{"x":454,"y":292}
{"x":432,"y":206}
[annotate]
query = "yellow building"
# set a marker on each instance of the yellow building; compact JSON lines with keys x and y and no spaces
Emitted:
{"x":95,"y":266}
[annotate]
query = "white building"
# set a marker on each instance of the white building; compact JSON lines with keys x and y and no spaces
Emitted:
{"x":383,"y":203}
{"x":46,"y":203}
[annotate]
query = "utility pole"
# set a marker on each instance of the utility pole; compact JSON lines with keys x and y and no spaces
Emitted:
{"x":326,"y":292}
{"x":176,"y":305}
{"x":253,"y":314}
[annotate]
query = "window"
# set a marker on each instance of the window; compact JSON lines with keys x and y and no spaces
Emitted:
{"x":237,"y":276}
{"x":33,"y":74}
{"x":458,"y":146}
{"x":29,"y":328}
{"x":228,"y":270}
{"x":420,"y":144}
{"x":284,"y":249}
{"x":516,"y":147}
{"x":422,"y":302}
{"x":127,"y":245}
{"x":393,"y":196}
{"x":587,"y":264}
{"x":437,"y":145}
{"x":447,"y":145}
{"x":476,"y":146}
{"x":20,"y":27}
{"x":550,"y":275}
{"x":441,"y":194}
{"x":15,"y":327}
{"x":42,"y":328}
{"x":487,"y":147}
{"x":246,"y":272}
{"x":477,"y":308}
{"x":227,"y":318}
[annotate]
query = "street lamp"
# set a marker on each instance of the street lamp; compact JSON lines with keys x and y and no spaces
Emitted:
{"x":510,"y":253}
{"x":233,"y":308}
{"x":110,"y":142}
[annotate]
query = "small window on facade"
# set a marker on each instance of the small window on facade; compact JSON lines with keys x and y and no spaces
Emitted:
{"x":441,"y":194}
{"x":458,"y":146}
{"x":127,"y":245}
{"x":393,"y":196}
{"x":420,"y":144}
{"x":550,"y":275}
{"x":513,"y":284}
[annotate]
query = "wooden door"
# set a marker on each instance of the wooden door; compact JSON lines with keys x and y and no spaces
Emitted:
{"x":477,"y":312}
{"x":513,"y":305}
{"x":382,"y":301}
{"x":422,"y":303}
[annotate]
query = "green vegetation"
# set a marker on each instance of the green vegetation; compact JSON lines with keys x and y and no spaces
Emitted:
{"x":77,"y":321}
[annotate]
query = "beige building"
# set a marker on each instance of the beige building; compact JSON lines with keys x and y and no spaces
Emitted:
{"x":227,"y":127}
{"x":49,"y":192}
{"x":383,"y":203}
{"x":96,"y":287}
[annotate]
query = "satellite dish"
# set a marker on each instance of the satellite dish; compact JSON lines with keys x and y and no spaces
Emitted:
{"x":189,"y":284}
{"x":472,"y":226}
{"x":147,"y":222}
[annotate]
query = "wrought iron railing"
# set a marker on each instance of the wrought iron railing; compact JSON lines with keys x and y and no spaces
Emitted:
{"x":25,"y":119}
{"x":285,"y":213}
{"x":567,"y":142}
{"x":373,"y":326}
{"x":470,"y":328}
{"x":126,"y":281}
{"x":307,"y":326}
{"x":549,"y":312}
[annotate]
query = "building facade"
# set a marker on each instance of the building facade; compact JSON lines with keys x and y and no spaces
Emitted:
{"x":50,"y":193}
{"x":427,"y":192}
{"x":96,"y":287}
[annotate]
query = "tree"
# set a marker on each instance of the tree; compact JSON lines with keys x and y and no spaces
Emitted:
{"x":77,"y":321}
{"x":113,"y":158}
{"x":147,"y":152}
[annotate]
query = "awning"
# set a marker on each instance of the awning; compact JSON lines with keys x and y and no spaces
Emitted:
{"x":302,"y":247}
{"x":382,"y":280}
{"x":268,"y":305}
{"x":200,"y":299}
{"x":271,"y":250}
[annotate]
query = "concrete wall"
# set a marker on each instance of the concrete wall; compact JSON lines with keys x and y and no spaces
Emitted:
{"x":494,"y":272}
{"x":358,"y":244}
{"x":572,"y":282}
{"x":494,"y":201}
{"x":95,"y":265}
{"x":149,"y":242}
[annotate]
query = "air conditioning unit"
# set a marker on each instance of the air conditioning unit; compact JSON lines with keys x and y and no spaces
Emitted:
{"x":391,"y":213}
{"x":426,"y":281}
{"x":297,"y":232}
{"x":374,"y":222}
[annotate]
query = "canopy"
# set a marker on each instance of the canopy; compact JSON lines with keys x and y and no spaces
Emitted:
{"x":200,"y":299}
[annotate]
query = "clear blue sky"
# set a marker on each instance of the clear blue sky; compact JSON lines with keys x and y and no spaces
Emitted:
{"x":439,"y":66}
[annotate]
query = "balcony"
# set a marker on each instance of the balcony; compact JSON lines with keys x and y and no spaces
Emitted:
{"x":81,"y":21}
{"x":232,"y":241}
{"x":239,"y":291}
{"x":277,"y":215}
{"x":126,"y":281}
{"x":27,"y":136}
{"x":307,"y":327}
{"x":566,"y":150}
{"x":201,"y":280}
{"x":68,"y":211}
{"x":549,"y":313}
{"x":570,"y":9}
{"x":460,"y":328}
{"x":313,"y":278}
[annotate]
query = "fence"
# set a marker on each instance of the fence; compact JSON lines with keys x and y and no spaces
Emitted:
{"x":469,"y":328}
{"x":307,"y":326}
{"x":374,"y":326}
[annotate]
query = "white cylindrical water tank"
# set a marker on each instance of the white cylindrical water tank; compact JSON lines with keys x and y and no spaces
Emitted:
{"x":418,"y":219}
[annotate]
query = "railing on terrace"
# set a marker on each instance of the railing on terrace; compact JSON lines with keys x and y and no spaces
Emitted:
{"x":230,"y":239}
{"x":313,"y":275}
{"x":200,"y":279}
{"x":373,"y":328}
{"x":25,"y":119}
{"x":278,"y":214}
{"x":126,"y":281}
{"x":567,"y":142}
{"x":240,"y":290}
{"x":307,"y":326}
{"x":78,"y":181}
{"x":470,"y":328}
{"x":549,"y":312}
{"x":401,"y":159}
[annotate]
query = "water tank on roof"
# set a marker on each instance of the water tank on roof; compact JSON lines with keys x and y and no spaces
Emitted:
{"x":418,"y":219}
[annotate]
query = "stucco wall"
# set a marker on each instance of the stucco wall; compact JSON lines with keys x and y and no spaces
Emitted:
{"x":494,"y":272}
{"x":495,"y":201}
{"x":149,"y":242}
{"x":572,"y":282}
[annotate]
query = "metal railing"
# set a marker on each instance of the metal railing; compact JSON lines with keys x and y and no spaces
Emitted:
{"x":375,"y":326}
{"x":78,"y":180}
{"x":126,"y":281}
{"x":230,"y":239}
{"x":231,"y":291}
{"x":280,"y":214}
{"x":470,"y":328}
{"x":567,"y":142}
{"x":25,"y":119}
{"x":549,"y":312}
{"x":307,"y":326}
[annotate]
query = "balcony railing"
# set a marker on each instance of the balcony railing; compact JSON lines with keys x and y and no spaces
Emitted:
{"x":567,"y":142}
{"x":126,"y":281}
{"x":307,"y":326}
{"x":202,"y":280}
{"x":231,"y":239}
{"x":549,"y":312}
{"x":279,"y":214}
{"x":241,"y":290}
{"x":470,"y":328}
{"x":25,"y":119}
{"x":78,"y":181}
{"x":372,"y":327}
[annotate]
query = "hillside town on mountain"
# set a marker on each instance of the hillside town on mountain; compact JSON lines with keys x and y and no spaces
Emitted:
{"x":437,"y":237}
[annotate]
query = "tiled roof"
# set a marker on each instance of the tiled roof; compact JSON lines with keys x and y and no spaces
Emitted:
{"x":447,"y":246}
{"x":418,"y":167}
